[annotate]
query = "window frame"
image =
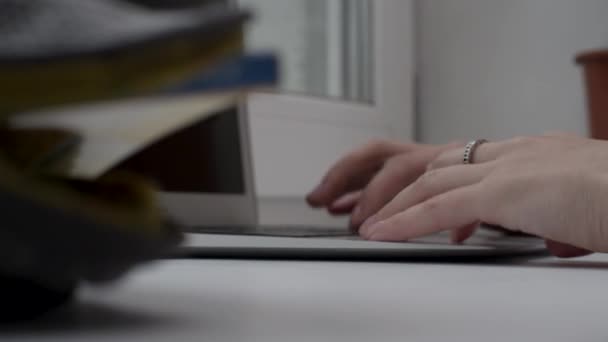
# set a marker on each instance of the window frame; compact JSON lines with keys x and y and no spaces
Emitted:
{"x":390,"y":116}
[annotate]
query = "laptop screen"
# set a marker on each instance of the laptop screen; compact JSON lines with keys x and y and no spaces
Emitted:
{"x":205,"y":157}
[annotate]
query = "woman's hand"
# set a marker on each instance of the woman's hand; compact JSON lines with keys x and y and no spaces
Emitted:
{"x":364,"y":181}
{"x":554,"y":187}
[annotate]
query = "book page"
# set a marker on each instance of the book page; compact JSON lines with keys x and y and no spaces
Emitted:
{"x":113,"y":131}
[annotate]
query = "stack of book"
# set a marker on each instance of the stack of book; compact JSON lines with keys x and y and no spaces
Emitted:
{"x":85,"y":84}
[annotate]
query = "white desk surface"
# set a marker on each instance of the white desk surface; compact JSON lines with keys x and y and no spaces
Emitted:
{"x":266,"y":301}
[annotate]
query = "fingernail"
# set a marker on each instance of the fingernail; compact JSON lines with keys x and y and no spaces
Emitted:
{"x":354,"y":217}
{"x":377,"y":232}
{"x":371,"y":233}
{"x":367,"y":224}
{"x":313,"y":196}
{"x":373,"y":238}
{"x":372,"y":230}
{"x":315,"y":191}
{"x":341,"y":202}
{"x":322,"y":184}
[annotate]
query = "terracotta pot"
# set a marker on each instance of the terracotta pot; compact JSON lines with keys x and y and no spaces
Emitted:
{"x":595,"y":65}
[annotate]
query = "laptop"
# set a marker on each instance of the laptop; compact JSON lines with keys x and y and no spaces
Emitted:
{"x":206,"y":173}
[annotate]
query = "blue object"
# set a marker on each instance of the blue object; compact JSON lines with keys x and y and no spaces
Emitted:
{"x":241,"y":72}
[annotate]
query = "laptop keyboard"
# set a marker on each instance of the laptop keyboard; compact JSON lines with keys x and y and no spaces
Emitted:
{"x":489,"y":236}
{"x":278,"y":231}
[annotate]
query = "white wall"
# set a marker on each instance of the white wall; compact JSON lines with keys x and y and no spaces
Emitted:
{"x":297,"y":30}
{"x":497,"y":68}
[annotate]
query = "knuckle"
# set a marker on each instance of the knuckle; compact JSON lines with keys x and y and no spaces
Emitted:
{"x":431,"y":177}
{"x":431,"y":205}
{"x":523,"y":141}
{"x":428,"y":181}
{"x":377,"y":145}
{"x":455,"y":144}
{"x":398,"y":162}
{"x":429,"y":210}
{"x":520,"y":140}
{"x":438,"y":161}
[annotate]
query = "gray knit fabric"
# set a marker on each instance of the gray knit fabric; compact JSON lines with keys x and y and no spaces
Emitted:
{"x":31,"y":28}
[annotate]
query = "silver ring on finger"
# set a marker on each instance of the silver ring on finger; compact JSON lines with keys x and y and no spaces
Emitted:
{"x":469,"y":151}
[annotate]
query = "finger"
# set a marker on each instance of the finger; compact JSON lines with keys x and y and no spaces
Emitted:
{"x":460,"y":235}
{"x":352,"y":172}
{"x":429,"y":185}
{"x":451,"y":210}
{"x":565,"y":251}
{"x":398,"y":173}
{"x":484,"y":153}
{"x":345,"y":204}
